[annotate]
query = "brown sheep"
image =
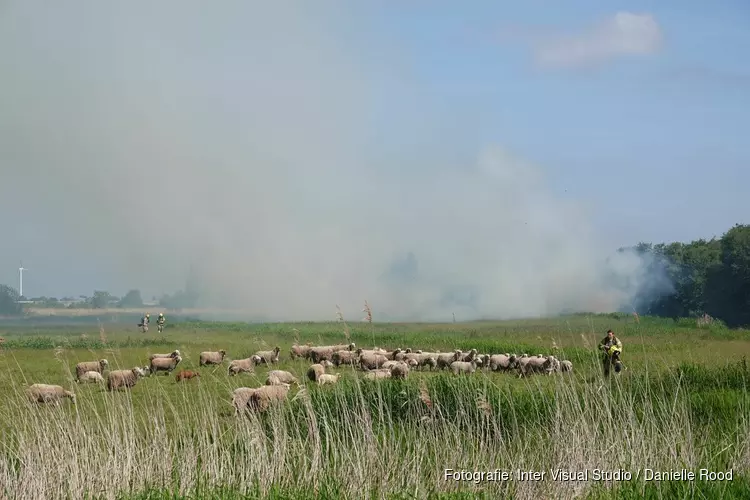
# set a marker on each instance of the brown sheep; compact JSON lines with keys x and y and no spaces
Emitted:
{"x":122,"y":378}
{"x":186,"y":375}
{"x":266,"y":395}
{"x":246,"y":365}
{"x":165,"y":365}
{"x":315,"y":371}
{"x":279,"y":377}
{"x":91,"y":366}
{"x":269,"y":357}
{"x":212,"y":357}
{"x":46,"y":393}
{"x":300,"y":351}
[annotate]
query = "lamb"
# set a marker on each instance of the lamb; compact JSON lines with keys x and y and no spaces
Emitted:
{"x":371,"y":361}
{"x":268,"y":357}
{"x":91,"y":376}
{"x":445,"y":360}
{"x":212,"y":357}
{"x":315,"y":371}
{"x":345,"y":357}
{"x":186,"y":375}
{"x":400,"y":370}
{"x":461,"y":367}
{"x":566,"y":366}
{"x":91,"y":366}
{"x":46,"y":393}
{"x":240,"y":398}
{"x":165,"y":365}
{"x":266,"y":395}
{"x":378,"y":374}
{"x":246,"y":365}
{"x":280,"y":377}
{"x":172,"y":354}
{"x":300,"y":351}
{"x":503,"y":362}
{"x":122,"y":378}
{"x":327,"y":378}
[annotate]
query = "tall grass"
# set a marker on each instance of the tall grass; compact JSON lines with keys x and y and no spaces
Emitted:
{"x":364,"y":439}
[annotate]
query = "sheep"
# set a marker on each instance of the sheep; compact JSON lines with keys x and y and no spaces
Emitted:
{"x":318,"y":354}
{"x":186,"y":375}
{"x":553,"y":366}
{"x":326,"y":363}
{"x":266,"y":395}
{"x":46,"y":393}
{"x":212,"y":357}
{"x":345,"y":357}
{"x":533,"y":364}
{"x":392,"y":355}
{"x":389,"y":364}
{"x":165,"y":365}
{"x":172,"y":354}
{"x":400,"y":370}
{"x":279,"y":377}
{"x":122,"y":378}
{"x":268,"y":357}
{"x":300,"y":351}
{"x":240,"y":398}
{"x":91,"y":376}
{"x":327,"y":378}
{"x":468,"y":356}
{"x":378,"y":374}
{"x":423,"y":359}
{"x":461,"y":367}
{"x":371,"y":361}
{"x":142,"y":372}
{"x":91,"y":366}
{"x":315,"y":371}
{"x":503,"y":362}
{"x":246,"y":365}
{"x":444,"y":360}
{"x":566,"y":366}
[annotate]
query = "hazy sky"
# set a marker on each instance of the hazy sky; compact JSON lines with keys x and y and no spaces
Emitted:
{"x":293,"y":153}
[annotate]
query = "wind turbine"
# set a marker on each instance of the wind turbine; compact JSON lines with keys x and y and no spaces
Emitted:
{"x":21,"y":269}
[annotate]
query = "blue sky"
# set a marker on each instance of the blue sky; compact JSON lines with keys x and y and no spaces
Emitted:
{"x":507,"y":145}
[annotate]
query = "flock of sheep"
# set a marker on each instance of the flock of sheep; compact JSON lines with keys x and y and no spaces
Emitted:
{"x":375,"y":363}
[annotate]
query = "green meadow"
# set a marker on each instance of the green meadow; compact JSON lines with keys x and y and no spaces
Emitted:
{"x":681,"y":403}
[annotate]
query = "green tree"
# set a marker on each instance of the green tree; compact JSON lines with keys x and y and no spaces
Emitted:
{"x":132,"y":299}
{"x":100,"y":299}
{"x":9,"y":301}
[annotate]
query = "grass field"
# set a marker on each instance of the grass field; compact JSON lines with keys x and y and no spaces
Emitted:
{"x":681,"y":403}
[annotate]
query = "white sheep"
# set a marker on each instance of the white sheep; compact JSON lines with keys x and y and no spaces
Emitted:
{"x":327,"y":378}
{"x":46,"y":393}
{"x":91,"y":377}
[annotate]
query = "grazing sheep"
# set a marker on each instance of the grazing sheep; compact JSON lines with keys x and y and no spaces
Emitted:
{"x":122,"y":378}
{"x":172,"y":354}
{"x":503,"y":362}
{"x":91,"y":366}
{"x":327,"y":378}
{"x":212,"y":357}
{"x":378,"y":374}
{"x":444,"y":360}
{"x":533,"y":364}
{"x":315,"y":371}
{"x":399,"y":370}
{"x":280,"y":377}
{"x":461,"y":367}
{"x":240,"y":398}
{"x":345,"y":357}
{"x":186,"y":375}
{"x":422,"y":359}
{"x":143,"y":372}
{"x":91,"y":377}
{"x":371,"y":361}
{"x":46,"y":393}
{"x":566,"y":366}
{"x":246,"y":365}
{"x":268,"y":357}
{"x":165,"y":365}
{"x":266,"y":395}
{"x":300,"y":351}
